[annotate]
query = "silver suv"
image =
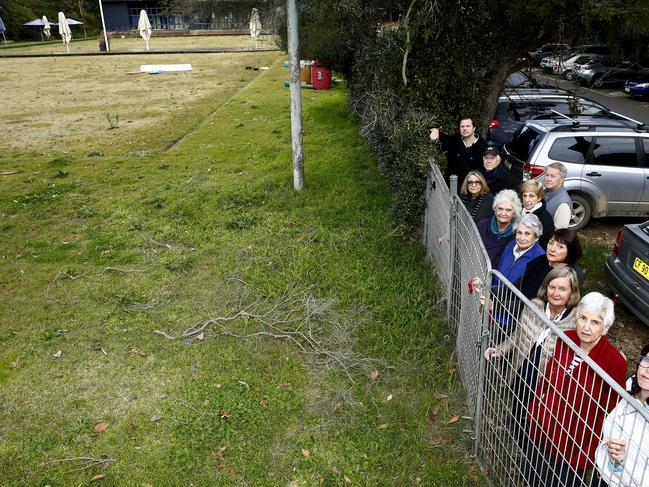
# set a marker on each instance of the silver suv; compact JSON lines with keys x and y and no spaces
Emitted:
{"x":607,"y":161}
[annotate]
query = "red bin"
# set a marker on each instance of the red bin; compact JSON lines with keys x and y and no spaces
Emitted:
{"x":320,"y":77}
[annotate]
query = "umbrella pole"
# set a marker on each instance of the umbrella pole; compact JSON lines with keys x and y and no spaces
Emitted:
{"x":41,"y":35}
{"x":147,"y":45}
{"x":4,"y":38}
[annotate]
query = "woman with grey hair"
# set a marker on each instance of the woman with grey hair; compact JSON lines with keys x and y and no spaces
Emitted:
{"x":496,"y":232}
{"x":520,"y":251}
{"x":571,"y":401}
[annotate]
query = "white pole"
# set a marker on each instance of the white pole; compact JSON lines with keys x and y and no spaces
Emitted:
{"x":103,"y":24}
{"x":296,"y":95}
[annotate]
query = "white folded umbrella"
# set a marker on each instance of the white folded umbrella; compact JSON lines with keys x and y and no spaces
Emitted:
{"x":46,"y":27}
{"x":144,"y":26}
{"x":64,"y":31}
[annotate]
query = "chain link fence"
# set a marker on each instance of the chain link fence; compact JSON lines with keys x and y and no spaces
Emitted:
{"x":543,"y":411}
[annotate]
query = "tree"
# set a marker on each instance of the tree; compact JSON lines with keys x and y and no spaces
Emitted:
{"x":442,"y":59}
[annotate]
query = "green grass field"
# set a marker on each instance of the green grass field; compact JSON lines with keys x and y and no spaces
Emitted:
{"x":308,"y":348}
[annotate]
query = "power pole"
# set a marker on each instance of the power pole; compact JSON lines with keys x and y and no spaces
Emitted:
{"x":296,"y":95}
{"x":103,"y":25}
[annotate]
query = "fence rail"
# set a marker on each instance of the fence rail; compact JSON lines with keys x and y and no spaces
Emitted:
{"x":543,"y":411}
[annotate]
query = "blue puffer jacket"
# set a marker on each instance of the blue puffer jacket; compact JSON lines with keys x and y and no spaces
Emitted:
{"x":512,"y":269}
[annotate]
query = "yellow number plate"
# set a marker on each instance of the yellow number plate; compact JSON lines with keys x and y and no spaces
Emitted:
{"x":641,"y":267}
{"x":628,"y":90}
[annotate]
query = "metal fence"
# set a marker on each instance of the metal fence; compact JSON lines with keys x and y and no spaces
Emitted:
{"x":543,"y":411}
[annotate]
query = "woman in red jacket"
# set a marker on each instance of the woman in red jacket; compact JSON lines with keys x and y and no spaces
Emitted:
{"x":572,"y":401}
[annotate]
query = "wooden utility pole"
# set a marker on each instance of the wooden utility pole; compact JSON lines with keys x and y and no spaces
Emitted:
{"x":296,"y":95}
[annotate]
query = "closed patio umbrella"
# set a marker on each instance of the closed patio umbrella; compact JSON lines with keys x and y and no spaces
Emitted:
{"x":46,"y":27}
{"x":255,"y":25}
{"x":144,"y":26}
{"x":64,"y":31}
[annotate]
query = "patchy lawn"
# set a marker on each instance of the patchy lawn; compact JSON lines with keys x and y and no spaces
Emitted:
{"x":175,"y":314}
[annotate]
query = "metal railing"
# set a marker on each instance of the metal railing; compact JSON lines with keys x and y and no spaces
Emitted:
{"x":543,"y":411}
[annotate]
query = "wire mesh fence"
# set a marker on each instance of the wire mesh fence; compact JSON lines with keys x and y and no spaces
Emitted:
{"x":547,"y":408}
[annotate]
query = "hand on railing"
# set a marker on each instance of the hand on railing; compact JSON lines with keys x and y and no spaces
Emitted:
{"x":477,"y":286}
{"x":616,"y":450}
{"x":493,"y":352}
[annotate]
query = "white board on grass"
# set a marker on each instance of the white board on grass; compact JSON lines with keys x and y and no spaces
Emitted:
{"x":165,"y":67}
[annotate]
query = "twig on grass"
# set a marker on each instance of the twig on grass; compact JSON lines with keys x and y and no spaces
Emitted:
{"x":64,"y":275}
{"x":85,"y":462}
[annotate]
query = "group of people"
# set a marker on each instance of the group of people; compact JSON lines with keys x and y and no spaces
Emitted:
{"x":564,"y":416}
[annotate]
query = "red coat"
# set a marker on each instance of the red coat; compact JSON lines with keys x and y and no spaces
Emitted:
{"x":567,"y":411}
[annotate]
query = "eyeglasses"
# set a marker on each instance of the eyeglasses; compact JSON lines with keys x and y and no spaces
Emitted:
{"x":643,"y":361}
{"x":474,"y":183}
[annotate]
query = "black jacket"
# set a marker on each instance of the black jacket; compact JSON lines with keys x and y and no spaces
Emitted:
{"x":535,"y":273}
{"x":481,"y":207}
{"x":547,"y":222}
{"x":499,"y":179}
{"x":461,"y":159}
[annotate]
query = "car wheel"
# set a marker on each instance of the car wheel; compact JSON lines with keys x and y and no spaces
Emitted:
{"x":581,"y":212}
{"x":569,"y":74}
{"x":597,"y":83}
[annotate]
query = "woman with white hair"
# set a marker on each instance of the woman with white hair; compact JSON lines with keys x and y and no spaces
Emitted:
{"x":571,"y":401}
{"x":524,"y":248}
{"x":496,"y":232}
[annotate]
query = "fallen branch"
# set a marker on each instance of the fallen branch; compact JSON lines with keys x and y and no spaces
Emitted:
{"x":291,"y":318}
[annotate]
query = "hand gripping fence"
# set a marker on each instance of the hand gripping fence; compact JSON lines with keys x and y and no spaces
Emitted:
{"x":543,"y":412}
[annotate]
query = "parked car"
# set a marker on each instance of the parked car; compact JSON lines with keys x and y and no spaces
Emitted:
{"x":517,"y":106}
{"x":545,"y":50}
{"x":520,"y":79}
{"x":606,"y":158}
{"x":627,"y":269}
{"x":566,"y":66}
{"x":637,"y":87}
{"x":601,"y":73}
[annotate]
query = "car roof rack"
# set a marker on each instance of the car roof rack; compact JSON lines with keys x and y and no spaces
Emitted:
{"x":639,"y":125}
{"x":575,"y":123}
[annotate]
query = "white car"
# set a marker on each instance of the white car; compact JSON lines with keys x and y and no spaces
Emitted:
{"x":566,"y":67}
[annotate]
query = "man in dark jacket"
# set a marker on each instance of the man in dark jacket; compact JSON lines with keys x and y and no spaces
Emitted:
{"x":463,"y":150}
{"x":496,"y":174}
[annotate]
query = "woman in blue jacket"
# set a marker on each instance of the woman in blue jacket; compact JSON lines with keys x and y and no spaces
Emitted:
{"x":520,"y":251}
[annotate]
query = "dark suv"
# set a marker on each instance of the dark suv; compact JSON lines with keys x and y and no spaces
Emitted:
{"x":607,"y":161}
{"x":515,"y":107}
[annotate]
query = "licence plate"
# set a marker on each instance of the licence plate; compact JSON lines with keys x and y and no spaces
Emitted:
{"x":627,"y":90}
{"x":641,"y":267}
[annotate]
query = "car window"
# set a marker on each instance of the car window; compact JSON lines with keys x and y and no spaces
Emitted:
{"x":570,"y":149}
{"x":615,"y":151}
{"x":523,"y":143}
{"x":645,"y":144}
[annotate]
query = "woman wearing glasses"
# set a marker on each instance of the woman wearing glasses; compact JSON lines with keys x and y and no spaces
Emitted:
{"x":476,"y":196}
{"x":622,"y":458}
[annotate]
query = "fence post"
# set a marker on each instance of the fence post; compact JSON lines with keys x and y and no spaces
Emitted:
{"x":482,"y":346}
{"x":426,"y":212}
{"x":452,"y":227}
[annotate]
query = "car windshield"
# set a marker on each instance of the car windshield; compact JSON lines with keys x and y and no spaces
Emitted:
{"x":522,"y":111}
{"x":523,"y":143}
